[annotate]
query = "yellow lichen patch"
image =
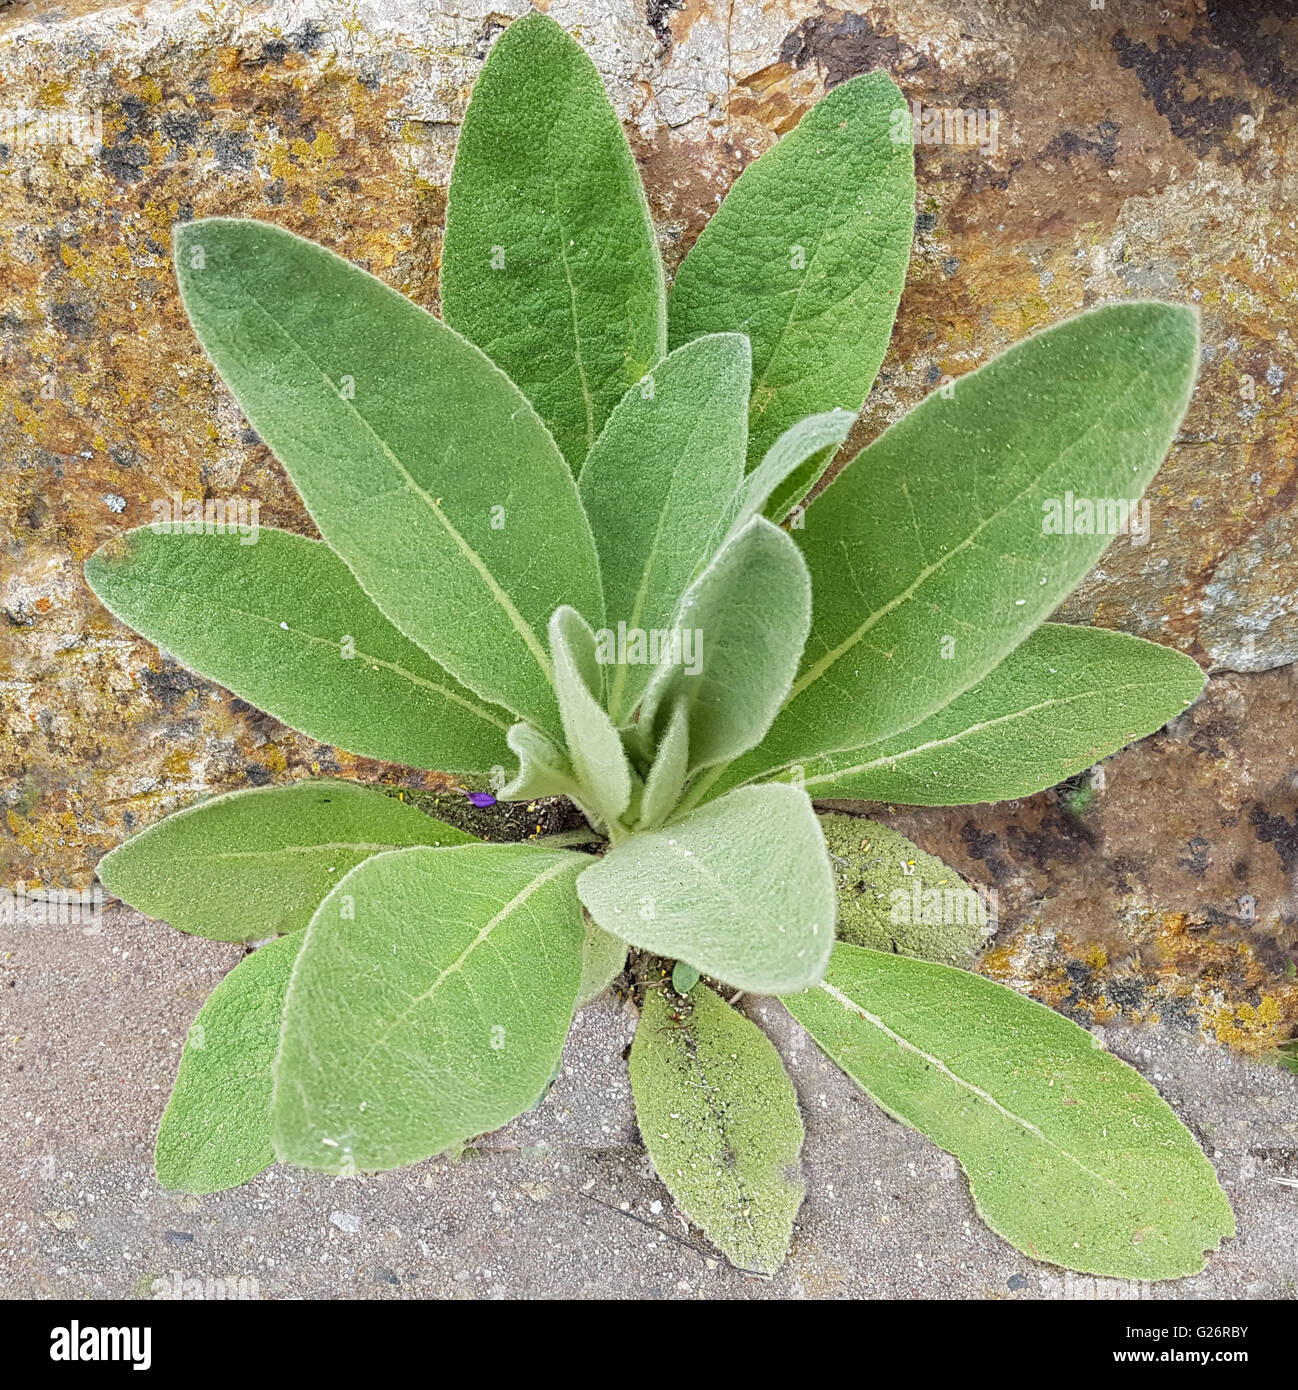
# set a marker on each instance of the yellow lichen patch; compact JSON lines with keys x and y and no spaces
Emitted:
{"x":1251,"y":1029}
{"x":1178,"y":970}
{"x":998,"y":964}
{"x":1096,"y":957}
{"x":177,"y":763}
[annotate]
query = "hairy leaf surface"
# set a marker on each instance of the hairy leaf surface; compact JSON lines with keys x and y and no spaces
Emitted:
{"x":602,"y":960}
{"x":284,"y":625}
{"x":657,"y":485}
{"x":742,"y":889}
{"x":666,"y":779}
{"x":247,"y":865}
{"x":747,"y":616}
{"x":543,"y":767}
{"x":1066,"y":698}
{"x":215,"y":1131}
{"x":792,"y":467}
{"x":892,"y":896}
{"x":720,"y":1120}
{"x":1071,"y":1155}
{"x":549,"y":262}
{"x":421,"y":463}
{"x":927,"y":553}
{"x":429,"y":1004}
{"x":807,"y":255}
{"x":594,"y":745}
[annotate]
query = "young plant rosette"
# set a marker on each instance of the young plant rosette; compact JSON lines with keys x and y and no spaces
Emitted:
{"x":566,"y":537}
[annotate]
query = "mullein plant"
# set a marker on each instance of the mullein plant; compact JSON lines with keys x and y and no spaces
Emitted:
{"x":566,"y":537}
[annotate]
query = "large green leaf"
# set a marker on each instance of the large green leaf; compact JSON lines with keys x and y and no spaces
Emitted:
{"x":657,"y":486}
{"x":746,"y":619}
{"x":742,"y":889}
{"x":929,"y":556}
{"x":430,"y":1003}
{"x":1071,"y":1155}
{"x":719,"y":1117}
{"x":1066,"y":698}
{"x":215,"y":1131}
{"x":420,"y":461}
{"x":250,"y":864}
{"x":594,"y":745}
{"x":549,"y":262}
{"x":284,"y":624}
{"x":807,"y":256}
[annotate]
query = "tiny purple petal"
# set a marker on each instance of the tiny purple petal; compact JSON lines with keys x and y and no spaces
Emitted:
{"x":481,"y":798}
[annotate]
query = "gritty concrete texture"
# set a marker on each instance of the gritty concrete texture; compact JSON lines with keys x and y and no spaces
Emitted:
{"x":562,"y":1202}
{"x":1139,"y":150}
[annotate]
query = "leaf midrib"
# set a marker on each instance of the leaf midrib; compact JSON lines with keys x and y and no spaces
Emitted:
{"x":397,"y":670}
{"x":502,"y":599}
{"x":891,"y":760}
{"x":324,"y":847}
{"x":802,"y":284}
{"x":819,"y":667}
{"x":637,"y":607}
{"x":855,"y":1009}
{"x":456,"y":966}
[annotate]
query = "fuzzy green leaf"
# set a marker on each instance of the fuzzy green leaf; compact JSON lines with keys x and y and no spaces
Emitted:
{"x":927,"y":553}
{"x":594,"y":745}
{"x":284,"y":624}
{"x":549,"y":262}
{"x":747,"y":615}
{"x":656,"y":488}
{"x":684,"y":977}
{"x":215,"y":1131}
{"x":543,"y":767}
{"x":719,"y":1117}
{"x":807,"y":255}
{"x":1071,"y":1155}
{"x":1066,"y":698}
{"x":892,"y":896}
{"x":420,"y":461}
{"x":429,"y":1004}
{"x":603,"y":958}
{"x":792,"y":467}
{"x":742,"y":889}
{"x":666,"y":779}
{"x":250,"y":864}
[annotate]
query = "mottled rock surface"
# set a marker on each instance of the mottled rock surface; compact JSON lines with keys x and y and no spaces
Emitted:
{"x":1138,"y":150}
